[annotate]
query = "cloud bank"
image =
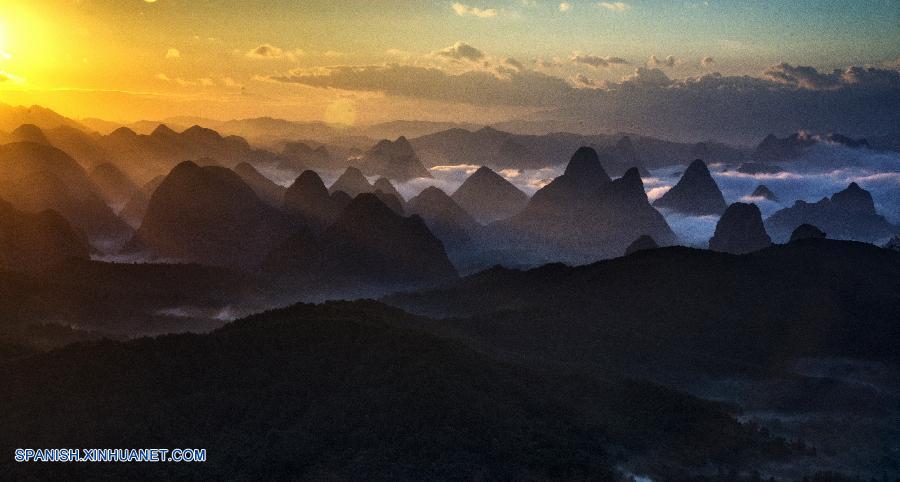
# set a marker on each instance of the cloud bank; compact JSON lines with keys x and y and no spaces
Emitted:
{"x":855,"y":101}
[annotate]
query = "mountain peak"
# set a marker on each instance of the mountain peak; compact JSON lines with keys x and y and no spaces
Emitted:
{"x":384,"y":185}
{"x":740,"y":230}
{"x":695,"y":193}
{"x":762,"y":191}
{"x":584,"y":169}
{"x":488,"y":196}
{"x":29,"y":133}
{"x":351,"y":182}
{"x":855,"y":199}
{"x":163,"y":130}
{"x":201,"y":134}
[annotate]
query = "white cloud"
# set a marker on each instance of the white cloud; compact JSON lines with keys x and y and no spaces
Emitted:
{"x":614,"y":6}
{"x":463,"y":10}
{"x":565,"y":7}
{"x":173,"y":54}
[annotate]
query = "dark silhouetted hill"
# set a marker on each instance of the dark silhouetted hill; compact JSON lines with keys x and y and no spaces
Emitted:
{"x":352,"y":182}
{"x":209,"y":215}
{"x":740,"y":230}
{"x":795,"y":145}
{"x":384,"y":185}
{"x":762,"y":191}
{"x":806,"y":231}
{"x":701,"y":313}
{"x":695,"y":193}
{"x":582,"y":216}
{"x":309,"y":198}
{"x":849,"y":214}
{"x":299,"y":155}
{"x":33,"y":242}
{"x":446,"y":219}
{"x":351,"y":390}
{"x":268,"y":191}
{"x":35,"y":177}
{"x":369,"y":244}
{"x":489,"y":197}
{"x":394,"y":160}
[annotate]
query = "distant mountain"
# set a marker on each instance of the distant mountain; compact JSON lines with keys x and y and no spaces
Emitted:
{"x":444,"y":217}
{"x":209,"y":215}
{"x":35,"y":177}
{"x":489,"y":197}
{"x":740,"y":230}
{"x":411,"y":128}
{"x":620,"y":157}
{"x":394,"y":160}
{"x":582,"y":215}
{"x":849,"y":214}
{"x":352,"y":182}
{"x":384,"y":185}
{"x":772,"y":148}
{"x":268,"y":191}
{"x":308,"y":197}
{"x":115,"y":186}
{"x":504,"y":150}
{"x":36,"y":241}
{"x":759,"y":168}
{"x":146,"y":156}
{"x":298,"y":155}
{"x":762,"y":191}
{"x":368,"y":244}
{"x":28,"y":133}
{"x":84,"y":147}
{"x":12,"y":117}
{"x":695,"y":193}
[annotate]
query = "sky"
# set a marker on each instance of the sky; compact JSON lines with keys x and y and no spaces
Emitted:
{"x":482,"y":61}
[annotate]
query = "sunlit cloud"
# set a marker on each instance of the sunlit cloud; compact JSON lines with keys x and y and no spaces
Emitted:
{"x":463,"y":10}
{"x":582,"y":81}
{"x":271,"y":52}
{"x":597,"y":61}
{"x":614,"y":6}
{"x":655,"y":62}
{"x":202,"y":82}
{"x":173,"y":53}
{"x":461,"y":51}
{"x":565,"y":7}
{"x":707,"y":62}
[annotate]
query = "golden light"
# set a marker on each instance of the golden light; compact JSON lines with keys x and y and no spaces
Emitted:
{"x":3,"y":38}
{"x":341,"y":111}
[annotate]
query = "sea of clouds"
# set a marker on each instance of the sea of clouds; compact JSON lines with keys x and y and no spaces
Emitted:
{"x":824,"y":170}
